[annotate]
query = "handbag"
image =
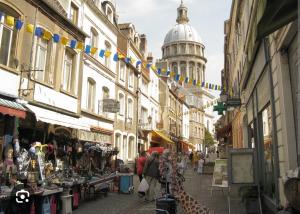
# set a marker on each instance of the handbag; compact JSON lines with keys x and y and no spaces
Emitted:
{"x":144,"y":186}
{"x":53,"y":205}
{"x":46,"y":206}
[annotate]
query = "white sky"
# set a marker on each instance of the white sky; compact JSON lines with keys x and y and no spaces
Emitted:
{"x":156,"y":17}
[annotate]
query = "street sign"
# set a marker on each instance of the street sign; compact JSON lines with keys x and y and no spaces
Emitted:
{"x":111,"y":105}
{"x":233,"y":102}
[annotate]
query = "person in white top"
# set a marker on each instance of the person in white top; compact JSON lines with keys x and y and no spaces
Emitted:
{"x":200,"y":166}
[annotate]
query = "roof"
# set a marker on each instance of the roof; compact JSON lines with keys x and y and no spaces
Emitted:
{"x":183,"y":32}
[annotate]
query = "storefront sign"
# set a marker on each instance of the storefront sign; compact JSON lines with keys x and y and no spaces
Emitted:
{"x":94,"y":137}
{"x":111,"y":105}
{"x":233,"y":102}
{"x":242,"y":166}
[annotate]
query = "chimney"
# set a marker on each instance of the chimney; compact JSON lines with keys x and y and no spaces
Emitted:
{"x":143,"y":44}
{"x":150,"y":58}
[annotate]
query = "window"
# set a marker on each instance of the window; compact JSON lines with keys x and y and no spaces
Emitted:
{"x":74,"y":13}
{"x":191,"y":49}
{"x":69,"y":78}
{"x":8,"y":37}
{"x":107,"y":58}
{"x":43,"y":61}
{"x":131,"y":148}
{"x":105,"y":95}
{"x":122,"y":70}
{"x":191,"y":71}
{"x":124,"y":148}
{"x":144,"y":115}
{"x":174,"y":49}
{"x":122,"y":104}
{"x":91,"y":89}
{"x":94,"y":38}
{"x":118,"y":143}
{"x":267,"y":143}
{"x":130,"y":79}
{"x":144,"y":87}
{"x":109,"y":13}
{"x":130,"y":108}
{"x":182,"y":48}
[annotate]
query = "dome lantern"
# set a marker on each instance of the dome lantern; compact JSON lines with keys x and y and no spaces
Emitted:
{"x":182,"y":14}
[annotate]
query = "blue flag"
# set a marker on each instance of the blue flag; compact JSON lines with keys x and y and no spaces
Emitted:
{"x":19,"y":24}
{"x":202,"y":84}
{"x":127,"y":59}
{"x":138,"y":63}
{"x":194,"y":82}
{"x":56,"y":38}
{"x":177,"y":77}
{"x":87,"y":49}
{"x":186,"y":80}
{"x":38,"y":31}
{"x":168,"y":73}
{"x":101,"y":53}
{"x":148,"y":65}
{"x":116,"y":57}
{"x":159,"y":71}
{"x":73,"y":43}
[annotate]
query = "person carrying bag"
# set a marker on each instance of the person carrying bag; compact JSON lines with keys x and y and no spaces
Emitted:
{"x":152,"y":175}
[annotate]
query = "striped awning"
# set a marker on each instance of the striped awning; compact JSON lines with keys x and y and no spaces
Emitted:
{"x":12,"y":108}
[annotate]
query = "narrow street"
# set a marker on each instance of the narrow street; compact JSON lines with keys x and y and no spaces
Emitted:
{"x":196,"y":185}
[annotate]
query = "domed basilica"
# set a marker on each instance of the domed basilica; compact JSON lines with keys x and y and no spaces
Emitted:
{"x":183,"y":49}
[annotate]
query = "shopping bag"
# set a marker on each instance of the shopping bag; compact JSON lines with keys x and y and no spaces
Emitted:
{"x":46,"y":206}
{"x":53,"y":205}
{"x":32,"y":208}
{"x":144,"y":186}
{"x":75,"y":199}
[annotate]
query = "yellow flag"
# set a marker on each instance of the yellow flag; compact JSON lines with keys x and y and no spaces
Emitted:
{"x":121,"y":56}
{"x":107,"y":53}
{"x":191,"y":81}
{"x":153,"y":67}
{"x":80,"y":46}
{"x":181,"y":78}
{"x":198,"y":83}
{"x":132,"y":60}
{"x":163,"y":70}
{"x":172,"y":74}
{"x":10,"y":21}
{"x":94,"y":50}
{"x":29,"y":28}
{"x":206,"y":85}
{"x":64,"y":40}
{"x":47,"y":35}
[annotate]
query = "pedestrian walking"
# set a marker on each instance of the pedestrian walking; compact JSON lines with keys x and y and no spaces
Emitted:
{"x":191,"y":159}
{"x":165,"y":168}
{"x":200,"y":165}
{"x":140,"y":165}
{"x":151,"y":174}
{"x":195,"y":160}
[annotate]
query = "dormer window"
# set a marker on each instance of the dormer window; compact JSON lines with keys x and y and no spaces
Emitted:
{"x":109,"y":13}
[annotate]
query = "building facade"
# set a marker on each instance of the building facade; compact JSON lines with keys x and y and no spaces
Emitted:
{"x":261,"y":68}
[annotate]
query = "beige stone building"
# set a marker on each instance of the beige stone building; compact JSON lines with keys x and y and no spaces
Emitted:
{"x":126,"y":121}
{"x":44,"y":73}
{"x":261,"y":67}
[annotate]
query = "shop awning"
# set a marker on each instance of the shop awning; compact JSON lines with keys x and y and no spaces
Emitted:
{"x":56,"y":118}
{"x":12,"y":108}
{"x":277,"y":14}
{"x":162,"y":136}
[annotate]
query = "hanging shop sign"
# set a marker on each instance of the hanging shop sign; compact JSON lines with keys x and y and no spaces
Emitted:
{"x":233,"y":102}
{"x":111,"y":105}
{"x":94,"y":137}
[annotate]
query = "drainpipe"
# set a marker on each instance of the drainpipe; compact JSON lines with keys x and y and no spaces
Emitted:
{"x":266,"y":44}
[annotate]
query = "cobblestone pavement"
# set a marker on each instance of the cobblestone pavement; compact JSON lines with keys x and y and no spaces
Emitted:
{"x":199,"y":186}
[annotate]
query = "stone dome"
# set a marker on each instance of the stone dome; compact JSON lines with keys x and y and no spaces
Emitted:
{"x":182,"y":32}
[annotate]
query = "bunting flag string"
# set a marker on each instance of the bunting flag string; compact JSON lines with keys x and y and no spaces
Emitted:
{"x":88,"y":49}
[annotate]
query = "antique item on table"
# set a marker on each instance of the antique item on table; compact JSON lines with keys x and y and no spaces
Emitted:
{"x":23,"y":162}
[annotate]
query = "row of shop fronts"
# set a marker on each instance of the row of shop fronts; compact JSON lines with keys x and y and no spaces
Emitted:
{"x":265,"y":77}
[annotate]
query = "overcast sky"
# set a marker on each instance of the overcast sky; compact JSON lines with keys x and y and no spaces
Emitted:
{"x":156,"y":17}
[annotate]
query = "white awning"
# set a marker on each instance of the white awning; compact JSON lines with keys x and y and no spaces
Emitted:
{"x":56,"y":118}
